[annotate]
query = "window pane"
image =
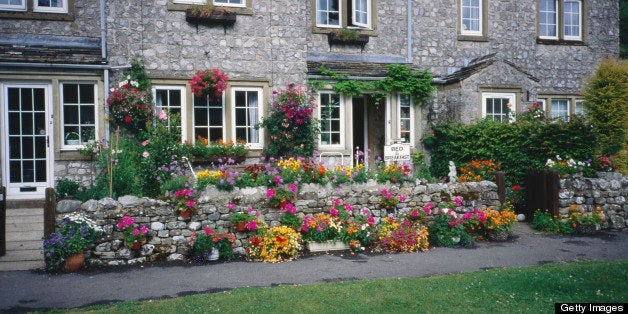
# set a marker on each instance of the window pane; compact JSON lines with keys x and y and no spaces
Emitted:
{"x":87,"y":114}
{"x":327,"y":12}
{"x":547,"y":18}
{"x":70,"y":93}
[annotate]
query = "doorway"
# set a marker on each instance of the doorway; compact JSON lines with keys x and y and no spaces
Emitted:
{"x":369,"y":129}
{"x":26,"y":153}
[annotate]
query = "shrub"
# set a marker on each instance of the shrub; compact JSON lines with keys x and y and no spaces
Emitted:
{"x":402,"y":236}
{"x":66,"y":188}
{"x":516,"y":146}
{"x":276,"y":244}
{"x":202,"y":242}
{"x":606,"y":102}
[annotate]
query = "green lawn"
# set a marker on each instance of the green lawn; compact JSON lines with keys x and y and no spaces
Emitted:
{"x":511,"y":290}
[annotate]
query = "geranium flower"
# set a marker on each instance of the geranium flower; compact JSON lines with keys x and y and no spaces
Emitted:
{"x":270,"y":193}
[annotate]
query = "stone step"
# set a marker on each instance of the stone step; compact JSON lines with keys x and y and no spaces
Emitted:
{"x":24,"y":219}
{"x":24,"y":226}
{"x":24,"y":236}
{"x":22,"y":255}
{"x":35,"y":203}
{"x":25,"y":245}
{"x":25,"y":212}
{"x":21,"y":265}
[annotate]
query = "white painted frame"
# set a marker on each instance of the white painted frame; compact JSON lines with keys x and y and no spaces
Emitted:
{"x":260,"y":113}
{"x":480,"y":20}
{"x":62,"y":115}
{"x":184,"y":105}
{"x":14,"y":7}
{"x":341,"y":104}
{"x":43,"y":9}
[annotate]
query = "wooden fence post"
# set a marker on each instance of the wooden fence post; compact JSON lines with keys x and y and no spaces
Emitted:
{"x":553,"y":187}
{"x":500,"y":180}
{"x":3,"y":220}
{"x":49,"y":212}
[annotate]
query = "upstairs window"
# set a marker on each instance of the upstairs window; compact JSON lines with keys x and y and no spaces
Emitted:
{"x":231,"y":3}
{"x":471,"y":17}
{"x":13,"y":5}
{"x":560,"y":20}
{"x":344,"y":13}
{"x":51,"y":6}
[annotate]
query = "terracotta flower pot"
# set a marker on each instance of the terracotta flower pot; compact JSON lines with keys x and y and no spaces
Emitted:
{"x":240,"y":226}
{"x":73,"y":263}
{"x":185,"y":214}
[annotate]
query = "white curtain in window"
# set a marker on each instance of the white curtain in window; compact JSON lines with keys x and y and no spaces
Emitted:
{"x":253,"y":118}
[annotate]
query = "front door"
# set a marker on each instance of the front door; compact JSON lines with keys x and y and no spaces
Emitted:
{"x":26,"y":153}
{"x":369,"y":128}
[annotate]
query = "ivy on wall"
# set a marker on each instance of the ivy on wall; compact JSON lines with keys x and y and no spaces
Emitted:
{"x":399,"y":78}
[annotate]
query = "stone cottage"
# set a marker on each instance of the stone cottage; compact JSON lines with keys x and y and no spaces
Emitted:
{"x":58,"y":61}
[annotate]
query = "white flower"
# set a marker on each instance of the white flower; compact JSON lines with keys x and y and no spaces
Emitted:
{"x":549,"y":163}
{"x":558,"y":158}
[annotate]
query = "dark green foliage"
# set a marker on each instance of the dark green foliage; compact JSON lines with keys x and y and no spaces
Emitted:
{"x":66,"y":188}
{"x":292,"y":221}
{"x":517,"y":146}
{"x":607,"y":105}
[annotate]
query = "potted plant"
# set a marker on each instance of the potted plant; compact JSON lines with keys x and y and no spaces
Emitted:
{"x":209,"y":245}
{"x":321,"y":232}
{"x":209,"y":82}
{"x":348,"y":37}
{"x":498,"y":224}
{"x":65,"y":248}
{"x":134,"y":237}
{"x":240,"y":220}
{"x":208,"y":15}
{"x":72,"y":138}
{"x":585,"y":222}
{"x":388,"y":200}
{"x":184,"y":203}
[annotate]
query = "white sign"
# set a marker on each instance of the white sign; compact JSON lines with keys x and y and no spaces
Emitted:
{"x":397,"y":152}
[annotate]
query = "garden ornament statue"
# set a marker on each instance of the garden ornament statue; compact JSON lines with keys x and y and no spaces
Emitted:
{"x":453,"y":175}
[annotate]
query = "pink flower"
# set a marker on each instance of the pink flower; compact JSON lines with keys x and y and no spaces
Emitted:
{"x":348,"y":207}
{"x":428,"y":208}
{"x":336,"y":202}
{"x":249,"y":209}
{"x":136,"y":232}
{"x":278,"y":179}
{"x":289,"y":207}
{"x":270,"y":193}
{"x":384,"y":192}
{"x":458,"y":201}
{"x":452,"y":223}
{"x":371,"y":220}
{"x":467,"y":215}
{"x":251,"y":225}
{"x":190,"y":203}
{"x":145,"y":154}
{"x":230,"y":206}
{"x":293,"y":188}
{"x":121,"y":225}
{"x":143,"y":229}
{"x":365,"y":211}
{"x":162,"y":116}
{"x":207,"y":230}
{"x":414,"y":213}
{"x":401,"y":198}
{"x":333,"y":212}
{"x":144,"y":143}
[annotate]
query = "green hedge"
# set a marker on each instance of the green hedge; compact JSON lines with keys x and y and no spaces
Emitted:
{"x":517,"y":146}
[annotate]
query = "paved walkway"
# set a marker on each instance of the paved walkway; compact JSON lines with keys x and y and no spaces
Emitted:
{"x":33,"y":290}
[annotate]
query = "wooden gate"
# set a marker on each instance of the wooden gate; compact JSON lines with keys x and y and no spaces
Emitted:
{"x":542,"y":188}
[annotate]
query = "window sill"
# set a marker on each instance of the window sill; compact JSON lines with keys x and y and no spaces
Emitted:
{"x":481,"y":38}
{"x":329,"y":30}
{"x":37,"y":16}
{"x":560,"y":42}
{"x":216,"y":17}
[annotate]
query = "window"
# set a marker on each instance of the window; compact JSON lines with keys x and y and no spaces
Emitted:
{"x":405,"y":112}
{"x":51,"y":6}
{"x":573,"y":20}
{"x":13,"y":5}
{"x":78,"y":114}
{"x":471,"y":17}
{"x":560,"y":109}
{"x":331,"y":119}
{"x":170,"y":99}
{"x":246,"y":112}
{"x":499,"y":106}
{"x":344,"y":13}
{"x":209,"y":117}
{"x":560,"y":20}
{"x":579,"y":107}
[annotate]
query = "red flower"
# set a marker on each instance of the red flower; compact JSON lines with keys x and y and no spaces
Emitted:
{"x":516,"y":187}
{"x":127,"y":119}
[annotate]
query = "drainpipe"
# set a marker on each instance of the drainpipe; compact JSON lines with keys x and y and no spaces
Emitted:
{"x":409,"y":39}
{"x":103,"y":52}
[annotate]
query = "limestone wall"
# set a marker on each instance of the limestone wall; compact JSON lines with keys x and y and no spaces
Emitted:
{"x":169,"y":234}
{"x":608,"y":190}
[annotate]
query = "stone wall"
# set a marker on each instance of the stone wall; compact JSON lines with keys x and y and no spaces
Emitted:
{"x":80,"y":171}
{"x":608,"y":190}
{"x":169,"y":234}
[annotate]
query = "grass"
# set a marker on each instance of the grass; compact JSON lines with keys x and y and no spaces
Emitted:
{"x":511,"y":290}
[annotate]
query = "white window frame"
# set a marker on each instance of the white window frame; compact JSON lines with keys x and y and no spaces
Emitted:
{"x":564,"y":17}
{"x":341,"y":119}
{"x":354,"y":14}
{"x":260,"y":112}
{"x":478,"y":32}
{"x":14,"y":7}
{"x":62,"y":9}
{"x":208,"y":126}
{"x":340,"y":9}
{"x":411,"y":119}
{"x":222,"y":4}
{"x":184,"y":106}
{"x":556,"y":18}
{"x":512,"y":99}
{"x":567,"y":110}
{"x":65,"y":146}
